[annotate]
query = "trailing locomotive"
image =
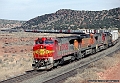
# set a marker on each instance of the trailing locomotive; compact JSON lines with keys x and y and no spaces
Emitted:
{"x":53,"y":51}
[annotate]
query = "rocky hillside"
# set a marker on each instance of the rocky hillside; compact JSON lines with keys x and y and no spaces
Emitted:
{"x":10,"y":23}
{"x":74,"y":19}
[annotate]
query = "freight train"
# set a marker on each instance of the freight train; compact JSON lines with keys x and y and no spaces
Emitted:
{"x":49,"y":52}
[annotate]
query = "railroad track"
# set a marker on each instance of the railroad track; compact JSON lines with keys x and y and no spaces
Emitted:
{"x":29,"y":74}
{"x":62,"y":72}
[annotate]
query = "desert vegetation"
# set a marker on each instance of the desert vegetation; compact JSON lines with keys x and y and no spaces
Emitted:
{"x":75,"y":19}
{"x":10,"y":23}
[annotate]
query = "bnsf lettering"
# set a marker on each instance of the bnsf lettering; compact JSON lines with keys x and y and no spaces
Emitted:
{"x":63,"y":47}
{"x":43,"y":51}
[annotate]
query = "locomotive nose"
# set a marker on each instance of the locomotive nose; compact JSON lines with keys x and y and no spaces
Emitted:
{"x":36,"y":47}
{"x":43,"y":51}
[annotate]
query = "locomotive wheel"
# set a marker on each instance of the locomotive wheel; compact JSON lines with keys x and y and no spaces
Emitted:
{"x":98,"y":49}
{"x":78,"y":56}
{"x":61,"y":61}
{"x":56,"y":63}
{"x":106,"y":46}
{"x":93,"y":51}
{"x":83,"y":55}
{"x":73,"y":58}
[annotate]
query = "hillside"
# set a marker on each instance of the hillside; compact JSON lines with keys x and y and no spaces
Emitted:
{"x":10,"y":23}
{"x":73,"y":19}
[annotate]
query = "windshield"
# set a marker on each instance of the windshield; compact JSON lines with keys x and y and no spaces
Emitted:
{"x":48,"y":42}
{"x":44,"y":42}
{"x":39,"y":42}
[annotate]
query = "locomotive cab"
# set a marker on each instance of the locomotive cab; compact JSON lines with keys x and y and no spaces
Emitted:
{"x":44,"y":41}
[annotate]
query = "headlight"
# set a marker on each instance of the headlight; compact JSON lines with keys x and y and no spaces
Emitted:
{"x":36,"y":60}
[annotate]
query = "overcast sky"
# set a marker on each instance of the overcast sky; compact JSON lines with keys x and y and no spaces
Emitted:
{"x":28,"y":9}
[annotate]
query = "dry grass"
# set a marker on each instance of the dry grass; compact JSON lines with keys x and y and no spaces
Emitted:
{"x":105,"y":63}
{"x":12,"y":66}
{"x":76,"y":79}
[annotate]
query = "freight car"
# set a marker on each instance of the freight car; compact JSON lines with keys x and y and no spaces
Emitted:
{"x":53,"y":51}
{"x":114,"y":36}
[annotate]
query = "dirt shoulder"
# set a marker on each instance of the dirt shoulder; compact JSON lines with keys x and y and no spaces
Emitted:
{"x":113,"y":72}
{"x":104,"y":69}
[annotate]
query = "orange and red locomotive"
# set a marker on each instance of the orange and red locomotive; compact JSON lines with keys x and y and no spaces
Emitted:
{"x":53,"y":51}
